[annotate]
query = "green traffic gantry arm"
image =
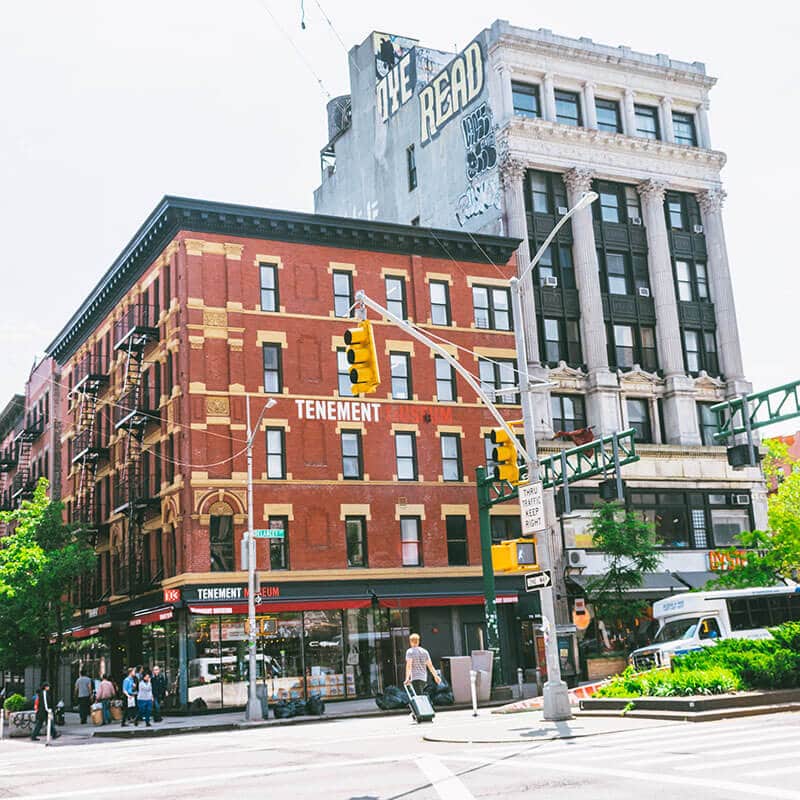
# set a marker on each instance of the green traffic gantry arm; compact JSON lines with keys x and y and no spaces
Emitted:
{"x":763,"y":408}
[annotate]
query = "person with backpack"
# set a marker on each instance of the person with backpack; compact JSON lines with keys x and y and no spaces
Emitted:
{"x":105,"y":694}
{"x":43,"y":706}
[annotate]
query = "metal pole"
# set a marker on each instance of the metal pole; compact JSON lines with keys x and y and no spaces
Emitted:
{"x":565,"y":484}
{"x":556,"y":695}
{"x":253,"y":705}
{"x":617,"y":468}
{"x":751,"y":452}
{"x":489,"y":595}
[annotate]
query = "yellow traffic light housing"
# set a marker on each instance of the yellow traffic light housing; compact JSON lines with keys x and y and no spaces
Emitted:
{"x":504,"y":454}
{"x":514,"y":555}
{"x":362,"y":356}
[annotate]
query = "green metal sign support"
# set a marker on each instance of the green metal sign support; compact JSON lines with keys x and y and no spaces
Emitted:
{"x":763,"y":408}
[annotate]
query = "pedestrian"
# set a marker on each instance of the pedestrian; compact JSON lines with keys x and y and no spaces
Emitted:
{"x":44,"y":706}
{"x":105,"y":694}
{"x":418,"y":662}
{"x":159,"y":682}
{"x":83,"y":691}
{"x":145,"y":699}
{"x":129,"y":692}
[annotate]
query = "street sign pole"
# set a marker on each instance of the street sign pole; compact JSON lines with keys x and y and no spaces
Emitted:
{"x":254,"y":712}
{"x":556,"y":696}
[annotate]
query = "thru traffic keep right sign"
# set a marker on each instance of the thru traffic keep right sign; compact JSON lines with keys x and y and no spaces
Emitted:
{"x":531,"y":506}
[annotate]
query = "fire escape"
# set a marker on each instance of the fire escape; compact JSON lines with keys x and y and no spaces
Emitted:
{"x":137,"y":408}
{"x":8,"y":463}
{"x":88,"y":449}
{"x":22,"y":485}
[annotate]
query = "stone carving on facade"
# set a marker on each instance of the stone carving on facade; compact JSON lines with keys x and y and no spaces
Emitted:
{"x":711,"y":200}
{"x":652,"y":189}
{"x":708,"y":387}
{"x":512,"y":171}
{"x":218,"y":406}
{"x":640,"y":381}
{"x":214,"y":318}
{"x":578,"y":180}
{"x":567,"y":377}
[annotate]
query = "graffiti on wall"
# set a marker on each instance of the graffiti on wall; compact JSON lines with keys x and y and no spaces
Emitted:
{"x":395,"y":72}
{"x":483,"y":178}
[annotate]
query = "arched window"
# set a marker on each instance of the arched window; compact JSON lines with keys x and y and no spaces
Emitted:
{"x":221,"y":538}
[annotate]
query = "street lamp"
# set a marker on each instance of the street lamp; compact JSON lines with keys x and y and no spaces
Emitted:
{"x":254,"y":712}
{"x":556,"y":697}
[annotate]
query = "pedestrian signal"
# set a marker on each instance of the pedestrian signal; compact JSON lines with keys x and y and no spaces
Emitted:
{"x":504,"y":454}
{"x":361,"y":355}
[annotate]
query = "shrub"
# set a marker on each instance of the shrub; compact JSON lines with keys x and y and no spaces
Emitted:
{"x":15,"y":702}
{"x":680,"y":683}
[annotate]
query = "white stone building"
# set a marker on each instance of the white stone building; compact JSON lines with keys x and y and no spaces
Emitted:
{"x":635,"y":318}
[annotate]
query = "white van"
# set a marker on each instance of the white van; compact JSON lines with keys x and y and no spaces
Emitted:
{"x":697,"y":619}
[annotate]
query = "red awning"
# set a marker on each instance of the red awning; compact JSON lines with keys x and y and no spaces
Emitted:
{"x":451,"y":600}
{"x":85,"y":633}
{"x":282,"y":605}
{"x":157,"y":615}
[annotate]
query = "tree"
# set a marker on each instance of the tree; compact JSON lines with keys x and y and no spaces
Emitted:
{"x":41,"y":560}
{"x":628,"y":543}
{"x":772,"y":554}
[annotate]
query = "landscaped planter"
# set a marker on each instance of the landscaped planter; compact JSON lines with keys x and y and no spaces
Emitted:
{"x":604,"y":667}
{"x":20,"y":723}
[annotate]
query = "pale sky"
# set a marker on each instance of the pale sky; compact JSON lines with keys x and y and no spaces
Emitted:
{"x":107,"y":106}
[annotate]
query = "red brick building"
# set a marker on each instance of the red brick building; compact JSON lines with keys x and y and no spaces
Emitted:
{"x":371,"y":500}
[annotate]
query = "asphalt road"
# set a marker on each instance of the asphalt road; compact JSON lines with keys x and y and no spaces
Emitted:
{"x":386,"y":759}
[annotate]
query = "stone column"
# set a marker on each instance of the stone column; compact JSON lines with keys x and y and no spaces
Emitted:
{"x":512,"y":176}
{"x":680,"y":413}
{"x":590,"y":111}
{"x":628,"y":113}
{"x":548,"y":97}
{"x":602,"y":406}
{"x":506,"y":95}
{"x":668,"y":132}
{"x":728,"y":346}
{"x":703,"y":134}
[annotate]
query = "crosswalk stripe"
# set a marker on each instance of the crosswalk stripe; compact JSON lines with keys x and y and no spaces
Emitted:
{"x":739,"y":762}
{"x":764,"y":773}
{"x":444,"y":782}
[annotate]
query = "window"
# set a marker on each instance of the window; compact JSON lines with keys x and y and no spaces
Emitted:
{"x":629,"y":345}
{"x":616,"y":273}
{"x":639,"y":419}
{"x":568,"y":412}
{"x":648,"y":357}
{"x":440,"y":303}
{"x":683,"y":126}
{"x":488,"y":451}
{"x":692,"y":279}
{"x":405,"y":446}
{"x":400,"y":364}
{"x":410,"y":541}
{"x":396,"y":295}
{"x":276,"y":456}
{"x":552,"y":341}
{"x":539,"y":193}
{"x":279,"y":548}
{"x":561,"y":341}
{"x":608,"y":118}
{"x":505,"y":527}
{"x":647,"y":121}
{"x":675,"y":212}
{"x":411,"y":161}
{"x":499,"y":375}
{"x":526,"y":100}
{"x":609,"y":202}
{"x":273,"y":382}
{"x":727,"y":524}
{"x":633,"y":205}
{"x":445,"y":381}
{"x":700,"y":351}
{"x":709,"y":629}
{"x":343,"y":373}
{"x":342,"y":293}
{"x":707,"y":422}
{"x":557,"y":263}
{"x":451,"y":457}
{"x":568,"y":110}
{"x":355,"y":534}
{"x":457,"y":555}
{"x":492,"y":308}
{"x":352,"y":459}
{"x":269,"y":287}
{"x":683,"y":275}
{"x":221,"y":541}
{"x":548,"y":193}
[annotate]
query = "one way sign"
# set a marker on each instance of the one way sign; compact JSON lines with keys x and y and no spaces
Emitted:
{"x":537,"y":580}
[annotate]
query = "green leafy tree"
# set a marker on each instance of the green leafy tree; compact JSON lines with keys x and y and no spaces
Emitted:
{"x":628,"y":543}
{"x":41,"y":560}
{"x":774,"y":553}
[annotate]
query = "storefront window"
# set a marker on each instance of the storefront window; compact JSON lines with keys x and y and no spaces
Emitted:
{"x":280,"y":655}
{"x":361,"y":658}
{"x":205,"y":666}
{"x":160,"y":647}
{"x":323,"y":652}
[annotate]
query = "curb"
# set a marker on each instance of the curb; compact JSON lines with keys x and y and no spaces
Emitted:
{"x":695,"y":716}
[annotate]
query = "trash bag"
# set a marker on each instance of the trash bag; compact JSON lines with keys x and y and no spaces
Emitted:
{"x":284,"y":709}
{"x":315,"y":706}
{"x":393,"y":697}
{"x":440,"y":694}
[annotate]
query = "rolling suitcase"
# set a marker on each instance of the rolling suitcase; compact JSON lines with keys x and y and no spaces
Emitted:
{"x":420,"y":704}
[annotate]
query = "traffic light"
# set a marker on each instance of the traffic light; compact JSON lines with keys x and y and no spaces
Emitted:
{"x":505,"y":457}
{"x":361,"y":354}
{"x":514,"y":555}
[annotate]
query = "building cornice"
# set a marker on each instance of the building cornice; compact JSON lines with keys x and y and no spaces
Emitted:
{"x":174,"y":214}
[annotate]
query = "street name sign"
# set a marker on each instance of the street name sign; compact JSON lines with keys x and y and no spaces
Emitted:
{"x":531,"y":506}
{"x":268,"y":533}
{"x":537,"y":580}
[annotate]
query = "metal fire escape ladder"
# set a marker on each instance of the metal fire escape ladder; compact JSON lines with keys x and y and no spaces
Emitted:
{"x":86,"y":414}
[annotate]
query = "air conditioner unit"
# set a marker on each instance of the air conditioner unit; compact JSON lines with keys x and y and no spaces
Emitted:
{"x":644,"y":291}
{"x":562,"y":210}
{"x":698,"y":229}
{"x":636,"y":221}
{"x":550,"y":280}
{"x":741,"y":499}
{"x":577,"y":558}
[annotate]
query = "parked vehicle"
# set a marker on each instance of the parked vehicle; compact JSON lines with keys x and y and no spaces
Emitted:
{"x":698,"y":619}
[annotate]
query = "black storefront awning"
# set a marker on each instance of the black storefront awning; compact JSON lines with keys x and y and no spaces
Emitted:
{"x":696,"y":580}
{"x":655,"y":585}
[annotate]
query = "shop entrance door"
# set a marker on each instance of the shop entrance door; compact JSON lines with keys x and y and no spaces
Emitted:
{"x":527,"y":640}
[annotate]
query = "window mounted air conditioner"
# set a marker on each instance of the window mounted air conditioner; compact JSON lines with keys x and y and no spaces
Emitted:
{"x":550,"y":280}
{"x":562,"y":210}
{"x":741,"y":499}
{"x":636,"y":221}
{"x":698,"y":228}
{"x":644,"y":291}
{"x":577,"y":558}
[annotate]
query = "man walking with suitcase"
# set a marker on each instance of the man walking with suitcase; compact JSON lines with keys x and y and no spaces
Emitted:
{"x":418,"y":663}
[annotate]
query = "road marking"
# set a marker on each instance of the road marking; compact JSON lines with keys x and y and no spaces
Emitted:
{"x":737,"y":762}
{"x":444,"y":782}
{"x":780,"y":771}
